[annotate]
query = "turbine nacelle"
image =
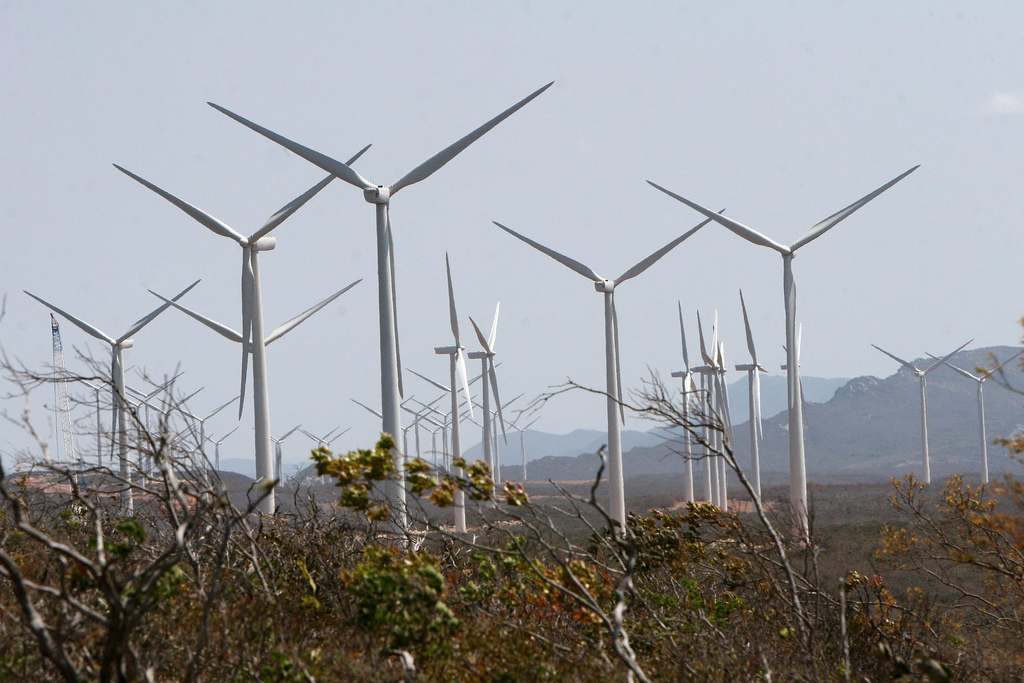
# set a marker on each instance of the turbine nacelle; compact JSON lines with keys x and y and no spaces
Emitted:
{"x":265,"y":243}
{"x":605,"y":286}
{"x":126,"y":344}
{"x":478,"y":355}
{"x":377,"y":195}
{"x":446,"y":350}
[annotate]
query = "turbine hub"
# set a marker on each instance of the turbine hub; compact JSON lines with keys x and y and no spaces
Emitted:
{"x":377,"y":195}
{"x":605,"y":286}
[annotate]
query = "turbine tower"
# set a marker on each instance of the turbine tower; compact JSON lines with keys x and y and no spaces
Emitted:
{"x":261,"y":396}
{"x":522,"y":443}
{"x":380,"y":197}
{"x":118,"y":398}
{"x":490,"y":380}
{"x":709,"y":396}
{"x":981,"y":406}
{"x":922,"y":379}
{"x":611,"y":334}
{"x":797,"y":462}
{"x":457,"y":362}
{"x":689,"y":391}
{"x":753,"y":370}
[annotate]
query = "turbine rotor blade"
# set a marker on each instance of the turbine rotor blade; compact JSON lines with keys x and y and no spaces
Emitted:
{"x":958,"y":370}
{"x":493,"y":336}
{"x":305,"y":315}
{"x":452,"y":315}
{"x":152,"y":316}
{"x":81,"y":324}
{"x":898,"y":359}
{"x":394,"y":299}
{"x":289,"y":433}
{"x":750,"y":336}
{"x":332,"y":166}
{"x":460,"y":362}
{"x":220,"y":408}
{"x":497,"y":400}
{"x":432,"y":382}
{"x":217,"y":327}
{"x":656,"y":256}
{"x":428,"y":167}
{"x":480,"y":336}
{"x":682,"y":335}
{"x":378,"y":414}
{"x":214,"y":224}
{"x":288,"y":209}
{"x":703,"y":348}
{"x":938,"y":364}
{"x":830,"y":222}
{"x":743,"y":231}
{"x":248,"y":301}
{"x":572,"y":264}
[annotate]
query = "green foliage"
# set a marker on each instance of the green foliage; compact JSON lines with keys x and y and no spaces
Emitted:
{"x":401,"y":595}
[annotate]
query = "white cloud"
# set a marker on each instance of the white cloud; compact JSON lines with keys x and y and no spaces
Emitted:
{"x":1004,"y":103}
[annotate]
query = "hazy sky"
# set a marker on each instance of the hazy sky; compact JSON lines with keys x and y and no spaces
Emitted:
{"x":781,"y":115}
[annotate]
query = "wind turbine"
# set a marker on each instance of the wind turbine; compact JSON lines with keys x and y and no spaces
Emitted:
{"x":726,"y":412}
{"x":279,"y":453}
{"x":981,"y":406}
{"x":490,"y":380}
{"x":216,"y":447}
{"x":922,"y":379}
{"x":261,"y":397}
{"x":522,"y":442}
{"x":797,"y":462}
{"x":709,"y":397}
{"x":686,"y":375}
{"x":252,"y":308}
{"x":753,"y":370}
{"x":118,"y":398}
{"x":380,"y":197}
{"x":457,"y":362}
{"x":611,"y":336}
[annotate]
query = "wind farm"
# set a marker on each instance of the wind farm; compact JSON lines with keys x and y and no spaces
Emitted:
{"x":671,"y":411}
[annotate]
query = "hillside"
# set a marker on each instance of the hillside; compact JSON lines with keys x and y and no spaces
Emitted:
{"x":869,"y":430}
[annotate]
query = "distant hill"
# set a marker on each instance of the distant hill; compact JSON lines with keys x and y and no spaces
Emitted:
{"x":543,"y":444}
{"x":874,"y":424}
{"x":773,"y":393}
{"x":870,"y":429}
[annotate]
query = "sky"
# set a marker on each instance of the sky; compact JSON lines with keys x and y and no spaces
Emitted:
{"x":780,"y":114}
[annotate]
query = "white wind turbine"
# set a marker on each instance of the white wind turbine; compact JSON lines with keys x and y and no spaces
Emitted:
{"x":495,"y":458}
{"x":753,"y":370}
{"x":380,"y":197}
{"x":709,"y":398}
{"x":981,"y":405}
{"x":490,"y":385}
{"x":797,"y":462}
{"x":522,"y":443}
{"x":922,"y":380}
{"x":726,"y":412}
{"x":216,"y":447}
{"x":261,"y":396}
{"x":252,"y":308}
{"x":117,"y":346}
{"x":611,"y":337}
{"x":279,"y":453}
{"x":689,"y":391}
{"x":457,"y":363}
